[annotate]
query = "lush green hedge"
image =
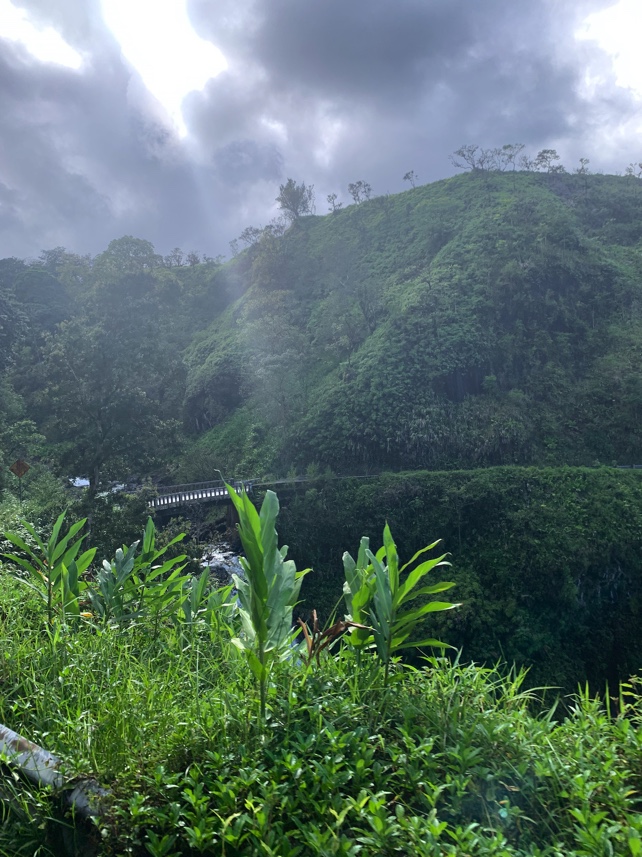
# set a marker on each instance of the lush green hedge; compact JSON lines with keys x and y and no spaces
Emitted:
{"x":548,"y":561}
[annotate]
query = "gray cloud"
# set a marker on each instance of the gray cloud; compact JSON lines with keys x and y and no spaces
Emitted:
{"x":327,"y":93}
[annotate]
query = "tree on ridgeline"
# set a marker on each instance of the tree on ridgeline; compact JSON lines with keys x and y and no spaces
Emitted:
{"x":334,"y":205}
{"x":546,"y":161}
{"x":251,"y":235}
{"x":411,"y":176}
{"x":360,"y":191}
{"x":296,"y":200}
{"x":508,"y":155}
{"x":472,"y":157}
{"x":465,"y":158}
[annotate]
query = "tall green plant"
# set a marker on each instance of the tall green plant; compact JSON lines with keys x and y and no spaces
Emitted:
{"x":269,"y":590}
{"x":55,"y":566}
{"x":374,"y":590}
{"x":358,"y":591}
{"x":137,"y":583}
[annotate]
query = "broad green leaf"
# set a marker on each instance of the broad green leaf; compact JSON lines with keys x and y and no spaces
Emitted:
{"x":61,"y":548}
{"x":149,"y":537}
{"x":364,"y":544}
{"x":416,"y":644}
{"x":15,"y":539}
{"x":53,"y":539}
{"x":158,"y":571}
{"x":418,"y":554}
{"x":198,"y":591}
{"x":413,"y":616}
{"x":442,"y":586}
{"x":416,"y":575}
{"x":361,"y":599}
{"x":250,"y":535}
{"x":34,"y":535}
{"x":84,"y":561}
{"x":259,"y":669}
{"x":392,"y":560}
{"x":23,"y":563}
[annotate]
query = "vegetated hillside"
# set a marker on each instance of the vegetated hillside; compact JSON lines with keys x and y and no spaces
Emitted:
{"x":91,"y":372}
{"x":547,"y":561}
{"x":491,"y":318}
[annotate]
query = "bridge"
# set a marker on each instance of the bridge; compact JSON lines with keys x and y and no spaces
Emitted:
{"x":196,"y":492}
{"x":172,"y":496}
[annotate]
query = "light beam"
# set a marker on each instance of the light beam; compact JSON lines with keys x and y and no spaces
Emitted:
{"x":159,"y":41}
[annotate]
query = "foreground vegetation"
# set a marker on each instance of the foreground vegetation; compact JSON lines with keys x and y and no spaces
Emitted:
{"x":210,"y":747}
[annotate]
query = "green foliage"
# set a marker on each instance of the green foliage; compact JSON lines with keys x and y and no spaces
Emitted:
{"x":527,"y":288}
{"x":135,"y":584}
{"x":358,"y":591}
{"x":528,"y":278}
{"x":317,"y":335}
{"x":459,"y":759}
{"x":373,"y":590}
{"x":103,"y":397}
{"x":547,"y":561}
{"x":54,"y":567}
{"x":269,"y":590}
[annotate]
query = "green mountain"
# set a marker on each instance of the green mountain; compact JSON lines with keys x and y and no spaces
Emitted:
{"x":491,"y":318}
{"x":488,"y":319}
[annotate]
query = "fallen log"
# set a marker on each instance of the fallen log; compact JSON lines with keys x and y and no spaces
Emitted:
{"x":82,"y":794}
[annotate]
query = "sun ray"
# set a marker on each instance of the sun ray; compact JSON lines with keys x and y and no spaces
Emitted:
{"x":617,"y":31}
{"x":159,"y":41}
{"x":43,"y":43}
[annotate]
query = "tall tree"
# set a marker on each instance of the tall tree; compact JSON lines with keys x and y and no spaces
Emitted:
{"x":112,"y":376}
{"x":334,"y":205}
{"x":547,"y":160}
{"x":105,"y":400}
{"x":12,"y":318}
{"x":296,"y":200}
{"x":360,"y":191}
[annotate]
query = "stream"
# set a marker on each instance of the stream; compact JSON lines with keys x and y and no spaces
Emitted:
{"x":222,"y":562}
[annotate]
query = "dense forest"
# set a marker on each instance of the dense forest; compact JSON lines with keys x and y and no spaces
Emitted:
{"x":488,"y":319}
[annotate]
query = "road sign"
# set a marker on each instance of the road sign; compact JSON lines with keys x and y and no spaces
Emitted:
{"x":19,"y":467}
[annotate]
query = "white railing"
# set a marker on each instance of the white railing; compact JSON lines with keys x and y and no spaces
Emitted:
{"x":198,"y":492}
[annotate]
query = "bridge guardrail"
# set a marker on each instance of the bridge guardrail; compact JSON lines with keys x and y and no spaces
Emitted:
{"x":195,"y":492}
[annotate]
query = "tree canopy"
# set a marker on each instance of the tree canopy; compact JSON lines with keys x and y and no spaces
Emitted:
{"x":296,"y":200}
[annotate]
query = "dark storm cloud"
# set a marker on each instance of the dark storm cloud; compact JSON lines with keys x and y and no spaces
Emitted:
{"x":368,"y":89}
{"x":326,"y":92}
{"x":375,"y":51}
{"x":389,"y":73}
{"x":248,"y":161}
{"x":83,"y":164}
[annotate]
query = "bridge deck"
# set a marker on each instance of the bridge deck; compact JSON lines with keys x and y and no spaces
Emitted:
{"x":197,"y":492}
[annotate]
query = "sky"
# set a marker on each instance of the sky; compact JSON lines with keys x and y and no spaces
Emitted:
{"x":176,"y":121}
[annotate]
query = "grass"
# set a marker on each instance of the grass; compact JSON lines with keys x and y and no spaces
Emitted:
{"x":447,"y":759}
